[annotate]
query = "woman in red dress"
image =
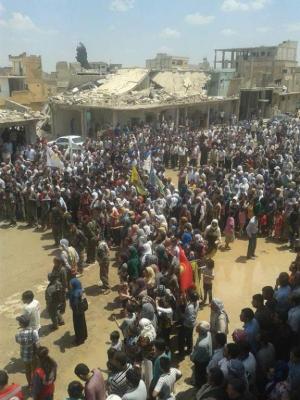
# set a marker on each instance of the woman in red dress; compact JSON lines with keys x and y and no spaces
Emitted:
{"x":278,"y":225}
{"x":44,"y":376}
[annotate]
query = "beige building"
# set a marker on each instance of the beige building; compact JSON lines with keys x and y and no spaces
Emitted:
{"x":163,"y":61}
{"x":25,"y":83}
{"x":260,"y":66}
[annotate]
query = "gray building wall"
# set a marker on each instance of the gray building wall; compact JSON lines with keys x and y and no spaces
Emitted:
{"x":4,"y":87}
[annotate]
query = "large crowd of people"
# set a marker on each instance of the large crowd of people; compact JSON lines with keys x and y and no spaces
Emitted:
{"x":240,"y":180}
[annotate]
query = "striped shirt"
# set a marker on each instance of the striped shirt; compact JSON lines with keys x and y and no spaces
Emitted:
{"x":166,"y":383}
{"x":12,"y":391}
{"x":27,"y":338}
{"x":118,"y":382}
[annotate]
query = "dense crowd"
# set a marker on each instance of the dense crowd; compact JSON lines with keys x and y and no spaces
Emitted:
{"x":238,"y":180}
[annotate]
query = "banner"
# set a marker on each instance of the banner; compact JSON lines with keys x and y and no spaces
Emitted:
{"x":53,"y":160}
{"x":137,"y":182}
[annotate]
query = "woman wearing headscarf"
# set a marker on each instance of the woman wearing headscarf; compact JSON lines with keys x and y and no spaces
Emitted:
{"x":76,"y":297}
{"x":146,"y":251}
{"x":147,"y":329}
{"x":148,"y":311}
{"x":133,"y":263}
{"x":44,"y":376}
{"x":150,"y":277}
{"x":198,"y":246}
{"x":218,"y":319}
{"x":229,"y":231}
{"x":162,"y":257}
{"x":132,"y":232}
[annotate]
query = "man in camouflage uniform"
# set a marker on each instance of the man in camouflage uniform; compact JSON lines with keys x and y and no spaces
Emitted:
{"x":61,"y":273}
{"x":67,"y":221}
{"x":91,"y":232}
{"x":10,"y":206}
{"x":31,"y":202}
{"x":57,"y":222}
{"x":103,"y":260}
{"x":45,"y":201}
{"x":54,"y":296}
{"x":79,"y":242}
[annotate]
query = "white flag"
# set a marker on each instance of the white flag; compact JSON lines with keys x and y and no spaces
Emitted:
{"x":147,"y":163}
{"x":53,"y":160}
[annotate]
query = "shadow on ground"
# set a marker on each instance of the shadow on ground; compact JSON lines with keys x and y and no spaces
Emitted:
{"x":241,"y":260}
{"x":14,"y":366}
{"x":93,"y":290}
{"x":66,"y":341}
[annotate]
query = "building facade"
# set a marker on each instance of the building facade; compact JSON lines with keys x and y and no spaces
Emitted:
{"x":163,"y":61}
{"x":259,"y":66}
{"x":25,"y":83}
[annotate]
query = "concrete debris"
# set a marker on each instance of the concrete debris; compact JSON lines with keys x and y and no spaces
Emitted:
{"x":11,"y":116}
{"x":181,"y":83}
{"x":135,"y":86}
{"x":123,"y":81}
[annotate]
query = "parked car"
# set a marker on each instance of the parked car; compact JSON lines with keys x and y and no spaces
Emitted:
{"x":280,"y":118}
{"x":64,"y":142}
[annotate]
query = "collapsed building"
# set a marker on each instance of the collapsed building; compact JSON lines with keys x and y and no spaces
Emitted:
{"x":19,"y":123}
{"x":134,"y":95}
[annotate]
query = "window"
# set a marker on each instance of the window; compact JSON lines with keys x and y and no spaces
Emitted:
{"x":77,"y":139}
{"x":263,"y":53}
{"x":62,"y":141}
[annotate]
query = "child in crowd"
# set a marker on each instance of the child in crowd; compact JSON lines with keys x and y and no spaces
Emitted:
{"x":207,"y":272}
{"x":116,"y":342}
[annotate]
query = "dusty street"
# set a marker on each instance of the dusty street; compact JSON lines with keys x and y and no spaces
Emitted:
{"x":26,"y":257}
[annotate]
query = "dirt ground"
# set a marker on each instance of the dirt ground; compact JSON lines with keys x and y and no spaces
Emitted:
{"x":26,"y":258}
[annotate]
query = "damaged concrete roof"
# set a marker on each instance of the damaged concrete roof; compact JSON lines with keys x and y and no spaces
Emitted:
{"x":181,"y":83}
{"x":136,"y":86}
{"x":9,"y":117}
{"x":123,"y":81}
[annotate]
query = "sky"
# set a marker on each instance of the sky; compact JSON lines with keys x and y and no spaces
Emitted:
{"x":130,"y":31}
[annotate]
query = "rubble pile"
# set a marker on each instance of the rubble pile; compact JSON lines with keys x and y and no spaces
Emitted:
{"x":181,"y":83}
{"x":133,"y":87}
{"x":9,"y":116}
{"x":147,"y":96}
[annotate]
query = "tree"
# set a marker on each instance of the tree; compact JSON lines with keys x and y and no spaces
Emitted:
{"x":81,"y":56}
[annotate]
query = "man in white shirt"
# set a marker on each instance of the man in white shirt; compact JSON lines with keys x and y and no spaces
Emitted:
{"x":32,"y":309}
{"x":164,"y":389}
{"x":252,"y":229}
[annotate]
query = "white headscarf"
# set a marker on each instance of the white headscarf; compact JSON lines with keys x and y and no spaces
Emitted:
{"x":147,"y":329}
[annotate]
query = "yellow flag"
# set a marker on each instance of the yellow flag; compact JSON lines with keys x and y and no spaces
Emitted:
{"x":137,"y":182}
{"x":194,"y":265}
